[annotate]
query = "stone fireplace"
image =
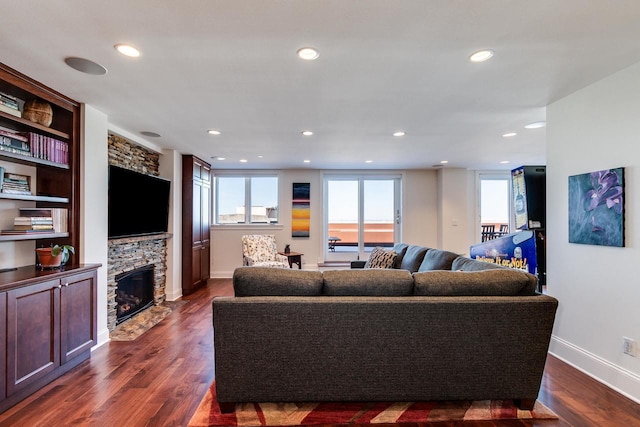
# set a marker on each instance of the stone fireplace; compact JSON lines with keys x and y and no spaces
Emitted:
{"x":134,"y":292}
{"x":140,"y":253}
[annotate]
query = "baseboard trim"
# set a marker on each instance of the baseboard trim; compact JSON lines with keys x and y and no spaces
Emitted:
{"x":103,"y":338}
{"x":613,"y":376}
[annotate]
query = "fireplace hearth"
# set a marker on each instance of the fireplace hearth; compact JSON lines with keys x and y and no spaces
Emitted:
{"x":134,"y":292}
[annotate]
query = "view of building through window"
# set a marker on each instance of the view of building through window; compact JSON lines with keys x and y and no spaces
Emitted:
{"x":361,"y":214}
{"x":234,"y":193}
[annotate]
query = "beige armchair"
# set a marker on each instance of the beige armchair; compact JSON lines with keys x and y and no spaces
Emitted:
{"x":260,"y":250}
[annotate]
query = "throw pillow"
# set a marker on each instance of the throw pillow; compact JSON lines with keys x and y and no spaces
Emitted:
{"x":381,"y":258}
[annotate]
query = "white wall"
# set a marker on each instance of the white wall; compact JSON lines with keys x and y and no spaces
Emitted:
{"x":456,"y":209}
{"x":419,"y":221}
{"x":93,"y":204}
{"x":171,"y":168}
{"x":598,"y":287}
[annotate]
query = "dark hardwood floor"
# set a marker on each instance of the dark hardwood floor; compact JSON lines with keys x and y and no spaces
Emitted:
{"x":159,"y":379}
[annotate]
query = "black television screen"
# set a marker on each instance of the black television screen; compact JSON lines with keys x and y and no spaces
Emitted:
{"x":138,"y":203}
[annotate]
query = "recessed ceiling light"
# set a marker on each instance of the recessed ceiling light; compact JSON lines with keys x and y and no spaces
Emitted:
{"x":243,"y":160}
{"x":307,"y":161}
{"x":150,"y":134}
{"x":214,"y":132}
{"x":368,"y":161}
{"x":308,"y":53}
{"x":217,"y":158}
{"x":86,"y":66}
{"x":536,"y":125}
{"x":307,"y":132}
{"x":399,"y":133}
{"x":481,"y":55}
{"x":127,"y":50}
{"x":444,"y":162}
{"x":260,"y":157}
{"x":509,"y":134}
{"x":504,"y":162}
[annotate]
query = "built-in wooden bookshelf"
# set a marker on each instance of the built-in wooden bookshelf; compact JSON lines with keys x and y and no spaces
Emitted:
{"x":56,"y":182}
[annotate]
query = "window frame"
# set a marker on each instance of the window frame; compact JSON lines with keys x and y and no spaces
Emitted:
{"x":248,"y":176}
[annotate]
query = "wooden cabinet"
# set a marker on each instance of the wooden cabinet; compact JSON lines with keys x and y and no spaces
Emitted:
{"x":48,"y":326}
{"x":196,"y":223}
{"x":53,"y":154}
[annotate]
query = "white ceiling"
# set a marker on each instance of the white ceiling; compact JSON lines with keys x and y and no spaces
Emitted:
{"x":384,"y":65}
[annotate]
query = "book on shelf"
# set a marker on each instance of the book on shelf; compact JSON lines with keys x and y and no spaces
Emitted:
{"x":10,"y":110}
{"x":56,"y":217}
{"x":13,"y":183}
{"x":9,"y":98}
{"x":18,"y":232}
{"x":47,"y":148}
{"x":9,"y":103}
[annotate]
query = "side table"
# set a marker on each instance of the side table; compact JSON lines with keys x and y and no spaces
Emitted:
{"x":293,"y":258}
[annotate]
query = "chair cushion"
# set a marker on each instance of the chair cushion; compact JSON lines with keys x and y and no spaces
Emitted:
{"x":367,"y":282}
{"x":436,"y":259}
{"x":503,"y":282}
{"x":413,"y":258}
{"x":260,"y":247}
{"x":381,"y":258}
{"x":264,"y":281}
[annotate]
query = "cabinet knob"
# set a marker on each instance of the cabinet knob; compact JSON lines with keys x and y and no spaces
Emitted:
{"x":66,"y":284}
{"x":59,"y":286}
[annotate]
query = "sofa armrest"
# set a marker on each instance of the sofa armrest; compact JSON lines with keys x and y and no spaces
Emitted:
{"x":358,"y":264}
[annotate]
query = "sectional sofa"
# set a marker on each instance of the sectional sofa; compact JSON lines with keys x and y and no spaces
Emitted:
{"x":469,"y":332}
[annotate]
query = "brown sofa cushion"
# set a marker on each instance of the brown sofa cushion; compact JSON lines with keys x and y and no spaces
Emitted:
{"x":367,"y":282}
{"x":437,"y":259}
{"x":265,"y":281}
{"x":381,"y":258}
{"x":492,"y":282}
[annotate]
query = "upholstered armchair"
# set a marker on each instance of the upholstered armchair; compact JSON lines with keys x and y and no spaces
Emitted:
{"x":260,"y":250}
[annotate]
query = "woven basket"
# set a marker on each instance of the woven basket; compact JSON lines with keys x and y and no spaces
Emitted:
{"x":38,"y":111}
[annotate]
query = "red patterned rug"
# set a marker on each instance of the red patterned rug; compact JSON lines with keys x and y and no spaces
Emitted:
{"x":350,"y":413}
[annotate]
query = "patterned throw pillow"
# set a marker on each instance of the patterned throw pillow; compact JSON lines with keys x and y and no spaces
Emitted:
{"x":381,"y":258}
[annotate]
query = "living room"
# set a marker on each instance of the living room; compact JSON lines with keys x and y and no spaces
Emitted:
{"x":592,"y":126}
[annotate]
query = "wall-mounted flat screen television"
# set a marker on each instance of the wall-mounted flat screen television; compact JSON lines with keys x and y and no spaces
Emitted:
{"x":138,"y":203}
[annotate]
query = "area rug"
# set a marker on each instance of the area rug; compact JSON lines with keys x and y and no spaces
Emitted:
{"x":142,"y":322}
{"x":350,"y":413}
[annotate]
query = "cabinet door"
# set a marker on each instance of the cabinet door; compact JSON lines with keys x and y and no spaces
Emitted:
{"x":77,"y":315}
{"x":196,"y":219}
{"x":205,"y":225}
{"x":196,"y":267}
{"x":3,"y":340}
{"x":33,"y":331}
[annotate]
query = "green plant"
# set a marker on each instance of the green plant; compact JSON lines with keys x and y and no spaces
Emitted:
{"x":64,"y":250}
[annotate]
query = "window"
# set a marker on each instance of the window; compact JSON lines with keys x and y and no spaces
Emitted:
{"x":361,"y":212}
{"x":233,"y":193}
{"x":494,"y":205}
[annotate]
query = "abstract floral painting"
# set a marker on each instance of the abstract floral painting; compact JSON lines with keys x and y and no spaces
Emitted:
{"x":596,"y":208}
{"x":301,"y":210}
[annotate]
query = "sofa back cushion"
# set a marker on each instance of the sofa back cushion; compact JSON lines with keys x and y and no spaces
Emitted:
{"x":467,"y":264}
{"x":413,"y":258}
{"x":265,"y":281}
{"x":367,"y":282}
{"x":437,"y":259}
{"x":400,"y":249}
{"x":381,"y":258}
{"x":491,"y":282}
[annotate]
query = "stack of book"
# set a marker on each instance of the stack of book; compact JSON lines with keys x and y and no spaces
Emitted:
{"x":14,"y":142}
{"x":9,"y":104}
{"x":39,"y":220}
{"x":13,"y":183}
{"x":47,"y":148}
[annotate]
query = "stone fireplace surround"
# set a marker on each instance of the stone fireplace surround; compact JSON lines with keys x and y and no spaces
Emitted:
{"x":129,"y":253}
